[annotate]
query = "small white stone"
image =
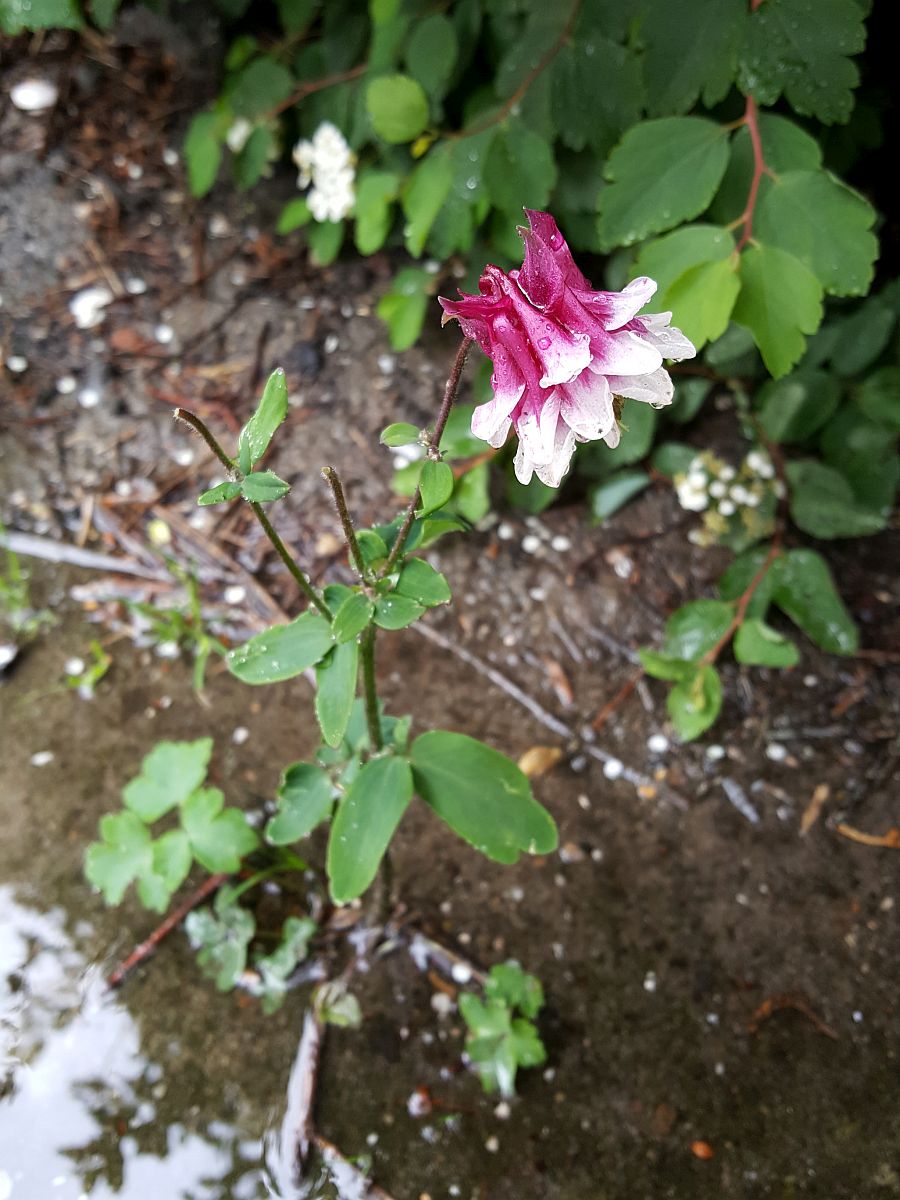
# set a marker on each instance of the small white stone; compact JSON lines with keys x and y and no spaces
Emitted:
{"x":168,"y":650}
{"x":42,"y":758}
{"x":183,"y":455}
{"x":502,"y":1111}
{"x":712,"y":1018}
{"x":87,"y":306}
{"x":17,"y":363}
{"x":74,"y":666}
{"x":442,"y":1004}
{"x":8,"y":653}
{"x":505,"y":531}
{"x":135,"y":286}
{"x":331,"y":343}
{"x":89,"y":397}
{"x":66,"y":385}
{"x":492,"y":1145}
{"x":240,"y":734}
{"x":715,"y":752}
{"x":857,"y":1016}
{"x":776,"y":752}
{"x":612,"y":768}
{"x":386,"y":364}
{"x":561,"y":544}
{"x":235,"y":594}
{"x":170,"y":157}
{"x":657,"y":743}
{"x":34,"y":95}
{"x":537,"y":594}
{"x":719,"y":1069}
{"x":461,"y":973}
{"x":531,"y":543}
{"x":810,"y":681}
{"x":135,"y":171}
{"x":164,"y":334}
{"x":650,"y":982}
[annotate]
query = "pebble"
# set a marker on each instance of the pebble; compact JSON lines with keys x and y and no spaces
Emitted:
{"x":492,"y":1145}
{"x":66,"y":385}
{"x":561,"y":544}
{"x":183,"y":455}
{"x":168,"y":650}
{"x":34,"y":95}
{"x":89,"y":397}
{"x":17,"y":363}
{"x":442,"y":1004}
{"x":505,"y":531}
{"x":240,"y":735}
{"x":74,"y":666}
{"x":857,"y":1016}
{"x":135,"y":286}
{"x":235,"y":594}
{"x":650,"y":982}
{"x":612,"y":768}
{"x":164,"y":334}
{"x":461,"y":973}
{"x":502,"y":1111}
{"x":331,"y":343}
{"x":87,"y":306}
{"x":42,"y":758}
{"x":657,"y":743}
{"x":386,"y":364}
{"x":776,"y":752}
{"x":8,"y":653}
{"x":715,"y":752}
{"x":531,"y":543}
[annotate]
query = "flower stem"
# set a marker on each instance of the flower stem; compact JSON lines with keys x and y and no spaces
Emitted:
{"x":370,"y":692}
{"x":346,"y":521}
{"x":200,"y":427}
{"x":751,"y":120}
{"x":433,"y":448}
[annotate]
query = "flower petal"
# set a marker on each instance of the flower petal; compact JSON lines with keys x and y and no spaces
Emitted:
{"x":617,"y":308}
{"x":587,"y":406}
{"x":656,"y":388}
{"x":670,"y":341}
{"x":544,"y":226}
{"x":623,"y":354}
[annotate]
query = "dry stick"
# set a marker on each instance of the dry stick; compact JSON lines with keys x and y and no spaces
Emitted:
{"x":199,"y":426}
{"x":433,"y":448}
{"x":147,"y":947}
{"x":297,"y":1126}
{"x":360,"y":1180}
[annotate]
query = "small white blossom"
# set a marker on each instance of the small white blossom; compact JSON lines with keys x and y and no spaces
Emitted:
{"x":326,"y":162}
{"x":726,"y":508}
{"x":238,"y":135}
{"x":87,"y":306}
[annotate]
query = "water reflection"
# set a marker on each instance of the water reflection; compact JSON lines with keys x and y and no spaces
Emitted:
{"x":78,"y":1099}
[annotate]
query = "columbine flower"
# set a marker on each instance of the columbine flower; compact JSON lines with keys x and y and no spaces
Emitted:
{"x":326,"y":162}
{"x":562,"y":352}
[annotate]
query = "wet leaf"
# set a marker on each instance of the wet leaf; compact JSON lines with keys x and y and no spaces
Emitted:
{"x":220,"y":493}
{"x":282,"y":651}
{"x":222,"y":936}
{"x":124,"y":853}
{"x":335,"y":690}
{"x":256,"y":435}
{"x":219,"y":837}
{"x":352,"y":616}
{"x":758,"y":644}
{"x":435,"y":486}
{"x":305,"y":800}
{"x":695,"y":628}
{"x":263,"y":486}
{"x":694,"y":704}
{"x":169,"y":774}
{"x":419,"y":581}
{"x":364,"y":823}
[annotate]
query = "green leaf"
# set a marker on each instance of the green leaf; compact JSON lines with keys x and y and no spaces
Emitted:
{"x":398,"y":108}
{"x":779,"y":302}
{"x":375,"y":193}
{"x":222,"y":939}
{"x":673,"y":458}
{"x":879,"y":397}
{"x":419,"y":581}
{"x":701,"y":300}
{"x":294,"y":215}
{"x":335,"y":690}
{"x":861,"y":337}
{"x":396,"y":612}
{"x":401,"y":433}
{"x":823,"y":503}
{"x":203,"y":151}
{"x":471,"y":495}
{"x":124,"y":853}
{"x":838,"y":246}
{"x":596,"y":91}
{"x":435,"y":486}
{"x":667,"y":258}
{"x":256,"y":435}
{"x":305,"y":800}
{"x":786,"y":147}
{"x":274,"y":968}
{"x":250,"y":162}
{"x":295,"y":15}
{"x":325,"y":239}
{"x":497,"y":1045}
{"x":403,"y":308}
{"x":431,"y":52}
{"x":424,"y":196}
{"x":805,"y":591}
{"x":352,"y":617}
{"x":615,"y":491}
{"x":169,"y":774}
{"x":638,"y":424}
{"x":282,"y":651}
{"x":168,"y":870}
{"x":690,"y":49}
{"x":509,"y":984}
{"x":801,"y":47}
{"x":40,"y":14}
{"x":260,"y":88}
{"x":335,"y":1005}
{"x":372,"y":547}
{"x":694,"y":704}
{"x":696,"y":628}
{"x":519,"y":170}
{"x":759,"y":645}
{"x":662,"y":172}
{"x":104,"y":12}
{"x":219,"y":838}
{"x":663,"y":666}
{"x":223,"y":491}
{"x":743,"y":571}
{"x":365,"y":821}
{"x":482,"y":796}
{"x":791,"y":409}
{"x":262,"y":487}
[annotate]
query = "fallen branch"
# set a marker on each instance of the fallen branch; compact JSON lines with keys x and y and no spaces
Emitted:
{"x":297,"y":1128}
{"x":49,"y":550}
{"x":775,"y":1004}
{"x":142,"y":952}
{"x":889,"y":840}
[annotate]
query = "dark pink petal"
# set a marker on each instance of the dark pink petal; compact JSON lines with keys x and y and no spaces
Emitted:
{"x":547,"y":230}
{"x":616,"y":309}
{"x":562,"y":355}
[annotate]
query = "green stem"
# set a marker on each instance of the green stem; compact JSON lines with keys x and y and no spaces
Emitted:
{"x":433,"y":449}
{"x":199,"y":426}
{"x":254,"y":879}
{"x":370,"y":692}
{"x":346,"y":521}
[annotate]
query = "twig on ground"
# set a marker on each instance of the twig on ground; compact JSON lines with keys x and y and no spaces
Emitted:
{"x":888,"y":841}
{"x":49,"y":550}
{"x":297,"y":1126}
{"x":774,"y":1004}
{"x":351,"y":1183}
{"x":142,"y":952}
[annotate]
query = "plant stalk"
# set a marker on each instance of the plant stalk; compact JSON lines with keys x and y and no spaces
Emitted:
{"x":370,"y":692}
{"x":346,"y":520}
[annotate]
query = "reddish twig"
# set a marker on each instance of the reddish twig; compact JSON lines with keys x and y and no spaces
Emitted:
{"x":619,"y":698}
{"x":751,"y":120}
{"x":147,"y":947}
{"x":889,"y":840}
{"x":775,"y":1004}
{"x":741,"y":608}
{"x":317,"y":85}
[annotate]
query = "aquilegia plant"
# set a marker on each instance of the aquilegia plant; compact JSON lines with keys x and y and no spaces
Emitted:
{"x":564,"y":356}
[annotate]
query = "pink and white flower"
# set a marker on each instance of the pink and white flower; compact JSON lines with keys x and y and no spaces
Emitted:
{"x":561,"y":353}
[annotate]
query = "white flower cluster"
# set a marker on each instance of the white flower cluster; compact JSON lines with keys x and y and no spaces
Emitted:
{"x":326,"y":162}
{"x":721,"y":492}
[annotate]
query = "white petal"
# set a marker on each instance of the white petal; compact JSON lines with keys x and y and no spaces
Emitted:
{"x":587,"y":406}
{"x":488,"y":418}
{"x":669,"y":341}
{"x":656,"y":388}
{"x":564,"y":447}
{"x":522,"y":463}
{"x":618,"y":308}
{"x":624,"y":354}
